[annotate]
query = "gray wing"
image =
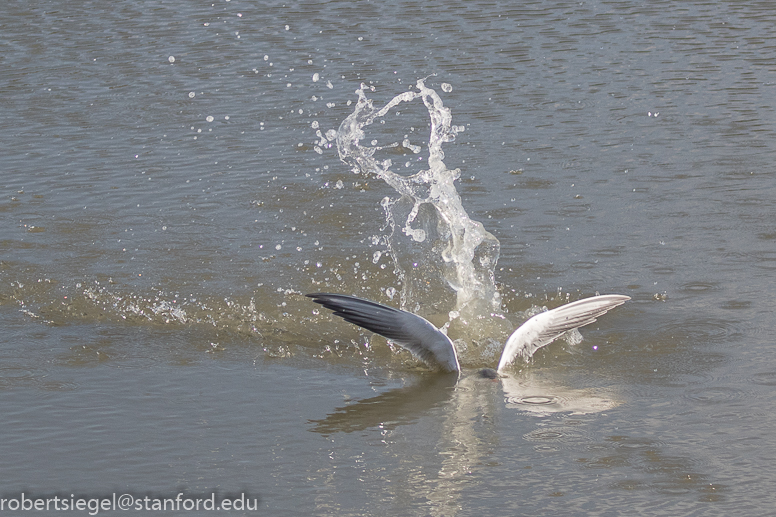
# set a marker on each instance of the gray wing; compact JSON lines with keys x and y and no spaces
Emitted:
{"x":410,"y":331}
{"x":548,"y":326}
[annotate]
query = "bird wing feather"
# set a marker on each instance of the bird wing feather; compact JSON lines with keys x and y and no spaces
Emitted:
{"x":408,"y":330}
{"x":546,"y":327}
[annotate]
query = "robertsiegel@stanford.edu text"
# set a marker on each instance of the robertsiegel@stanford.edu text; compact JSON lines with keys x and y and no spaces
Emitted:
{"x":125,"y":501}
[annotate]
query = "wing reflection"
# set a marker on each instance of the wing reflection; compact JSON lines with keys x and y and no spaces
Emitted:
{"x":528,"y":392}
{"x":531,"y":393}
{"x":392,"y":408}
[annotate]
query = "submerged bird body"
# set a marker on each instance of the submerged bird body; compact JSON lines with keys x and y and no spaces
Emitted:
{"x":433,"y":347}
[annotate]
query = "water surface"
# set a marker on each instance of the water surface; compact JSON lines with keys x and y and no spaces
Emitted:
{"x":166,"y":202}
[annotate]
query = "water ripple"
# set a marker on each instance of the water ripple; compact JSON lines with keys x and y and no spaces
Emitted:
{"x":714,"y":394}
{"x":765,"y":378}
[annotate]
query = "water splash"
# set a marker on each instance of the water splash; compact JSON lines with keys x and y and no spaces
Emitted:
{"x":444,"y":249}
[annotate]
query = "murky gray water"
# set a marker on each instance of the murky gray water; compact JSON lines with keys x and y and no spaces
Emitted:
{"x":166,"y":202}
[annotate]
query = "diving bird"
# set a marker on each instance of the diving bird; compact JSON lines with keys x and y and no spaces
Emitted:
{"x":435,"y":349}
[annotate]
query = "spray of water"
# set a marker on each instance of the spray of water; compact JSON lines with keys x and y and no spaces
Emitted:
{"x":435,"y":246}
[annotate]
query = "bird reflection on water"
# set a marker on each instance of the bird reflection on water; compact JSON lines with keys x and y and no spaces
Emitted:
{"x":533,"y":393}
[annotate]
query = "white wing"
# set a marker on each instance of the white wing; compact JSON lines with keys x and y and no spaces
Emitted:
{"x":408,"y":330}
{"x":546,"y":327}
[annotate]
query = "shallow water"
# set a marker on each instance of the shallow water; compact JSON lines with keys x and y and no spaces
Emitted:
{"x":153,"y":259}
